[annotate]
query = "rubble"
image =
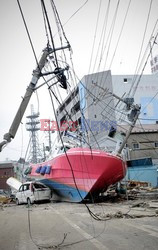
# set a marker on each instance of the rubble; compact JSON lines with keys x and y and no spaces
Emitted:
{"x":5,"y":200}
{"x":133,"y":190}
{"x":131,"y":214}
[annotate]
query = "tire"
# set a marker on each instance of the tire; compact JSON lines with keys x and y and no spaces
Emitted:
{"x":17,"y":201}
{"x":29,"y":202}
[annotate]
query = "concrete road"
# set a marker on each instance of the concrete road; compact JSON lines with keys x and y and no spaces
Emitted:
{"x":69,"y":226}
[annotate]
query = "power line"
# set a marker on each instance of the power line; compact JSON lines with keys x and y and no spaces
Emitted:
{"x":50,"y":31}
{"x":31,"y":43}
{"x":146,"y":25}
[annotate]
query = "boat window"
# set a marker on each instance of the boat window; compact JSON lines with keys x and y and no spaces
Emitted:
{"x":67,"y":148}
{"x":43,"y":170}
{"x":28,"y":171}
{"x":48,"y":170}
{"x":61,"y":150}
{"x":38,"y":169}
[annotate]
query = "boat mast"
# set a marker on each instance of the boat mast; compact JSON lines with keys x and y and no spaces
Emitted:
{"x":132,"y":117}
{"x":135,"y":114}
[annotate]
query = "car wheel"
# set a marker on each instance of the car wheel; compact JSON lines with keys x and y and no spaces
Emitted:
{"x":28,"y":201}
{"x":17,"y":202}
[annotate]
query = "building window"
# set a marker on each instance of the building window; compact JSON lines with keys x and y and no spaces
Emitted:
{"x":79,"y":121}
{"x":75,"y":108}
{"x":62,"y":120}
{"x":135,"y":146}
{"x":156,"y":144}
{"x":125,"y":80}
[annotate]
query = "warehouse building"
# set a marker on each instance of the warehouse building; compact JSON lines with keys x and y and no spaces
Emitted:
{"x":6,"y":171}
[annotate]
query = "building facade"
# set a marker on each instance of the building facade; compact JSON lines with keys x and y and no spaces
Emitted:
{"x":6,"y":171}
{"x":143,"y":142}
{"x":144,"y":90}
{"x":96,"y":110}
{"x":92,"y":107}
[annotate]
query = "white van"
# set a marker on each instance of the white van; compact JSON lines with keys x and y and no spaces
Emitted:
{"x":30,"y":192}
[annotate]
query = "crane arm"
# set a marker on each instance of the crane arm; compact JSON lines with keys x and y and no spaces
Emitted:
{"x":24,"y":103}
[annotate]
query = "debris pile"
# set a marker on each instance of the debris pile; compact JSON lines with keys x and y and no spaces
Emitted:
{"x":5,"y":198}
{"x":141,"y":190}
{"x":132,"y":190}
{"x":137,"y":209}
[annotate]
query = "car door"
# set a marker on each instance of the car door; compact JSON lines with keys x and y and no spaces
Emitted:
{"x":19,"y":195}
{"x":41,"y":192}
{"x":26,"y":192}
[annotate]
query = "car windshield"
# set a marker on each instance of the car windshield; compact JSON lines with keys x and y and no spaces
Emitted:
{"x":39,"y":186}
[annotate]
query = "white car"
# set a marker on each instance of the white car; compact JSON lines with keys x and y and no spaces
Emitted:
{"x":30,"y":192}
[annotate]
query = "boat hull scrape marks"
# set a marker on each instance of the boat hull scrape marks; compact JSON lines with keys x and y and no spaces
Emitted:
{"x":83,"y":172}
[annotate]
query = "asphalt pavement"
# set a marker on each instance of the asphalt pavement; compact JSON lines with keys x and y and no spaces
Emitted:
{"x":117,"y":226}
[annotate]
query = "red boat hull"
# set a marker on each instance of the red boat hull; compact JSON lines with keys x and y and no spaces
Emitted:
{"x":81,"y":172}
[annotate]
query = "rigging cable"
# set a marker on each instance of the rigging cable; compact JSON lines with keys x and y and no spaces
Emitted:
{"x":90,"y":212}
{"x":152,"y":147}
{"x":96,"y":217}
{"x":104,"y":33}
{"x":95,"y":36}
{"x":119,"y":37}
{"x":76,"y":12}
{"x":139,"y":78}
{"x":145,"y":138}
{"x":50,"y":31}
{"x":59,"y":27}
{"x":45,"y":25}
{"x":109,"y":41}
{"x":120,"y":33}
{"x":29,"y":219}
{"x":146,"y":25}
{"x":84,"y":119}
{"x":111,"y":32}
{"x":27,"y":32}
{"x":57,"y":14}
{"x":109,"y":35}
{"x":94,"y":96}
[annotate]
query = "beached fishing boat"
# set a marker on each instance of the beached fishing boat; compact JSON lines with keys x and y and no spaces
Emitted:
{"x":80,"y":173}
{"x":74,"y":172}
